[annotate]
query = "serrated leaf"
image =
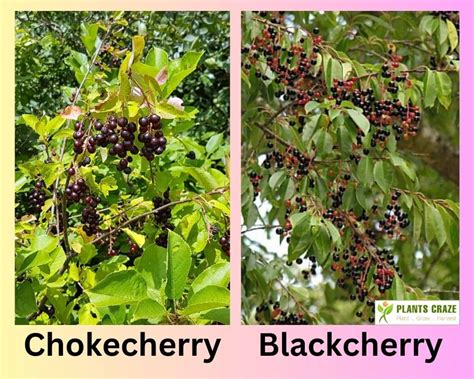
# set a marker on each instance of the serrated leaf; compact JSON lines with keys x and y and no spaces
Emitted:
{"x":157,"y":57}
{"x":430,"y":231}
{"x":365,"y":170}
{"x":153,"y":265}
{"x":277,"y":179}
{"x":148,"y":309}
{"x":383,"y":175}
{"x":218,"y":275}
{"x":214,"y":143}
{"x":25,"y":302}
{"x":429,"y":88}
{"x":179,"y":263}
{"x":452,"y":34}
{"x":123,"y":287}
{"x":210,"y":297}
{"x":359,"y":119}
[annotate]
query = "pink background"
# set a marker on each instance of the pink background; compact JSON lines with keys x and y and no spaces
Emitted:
{"x":238,"y":355}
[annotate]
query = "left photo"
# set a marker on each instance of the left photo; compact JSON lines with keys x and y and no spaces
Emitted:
{"x":122,"y":200}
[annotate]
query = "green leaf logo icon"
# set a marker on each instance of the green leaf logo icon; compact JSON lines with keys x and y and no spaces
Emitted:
{"x":386,"y":309}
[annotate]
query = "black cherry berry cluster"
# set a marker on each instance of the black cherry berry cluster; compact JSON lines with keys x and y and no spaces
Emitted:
{"x":394,"y":218}
{"x":296,"y":162}
{"x":292,"y":66}
{"x":272,"y":313}
{"x":255,"y":180}
{"x":310,"y":268}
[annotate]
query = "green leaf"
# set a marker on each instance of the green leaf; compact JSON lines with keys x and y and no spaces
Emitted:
{"x":310,"y":128}
{"x":167,"y":111}
{"x":153,"y":265}
{"x":53,"y":125}
{"x":123,"y":287}
{"x":179,"y":263}
{"x":383,"y":175}
{"x":43,"y":242}
{"x":452,"y":230}
{"x":417,"y":224}
{"x":31,"y":120}
{"x":398,"y":289}
{"x":138,"y":44}
{"x":203,"y":177}
{"x":218,"y":275}
{"x":323,"y":141}
{"x":359,"y":119}
{"x":148,"y":309}
{"x":107,"y":184}
{"x":452,"y":34}
{"x":438,"y":226}
{"x":89,"y":37}
{"x":333,"y":232}
{"x":125,"y":88}
{"x":157,"y":57}
{"x":276,"y":180}
{"x":443,"y":86}
{"x":442,"y":32}
{"x":86,"y":253}
{"x":429,"y":88}
{"x":139,"y":239}
{"x":214,"y":143}
{"x":208,"y":298}
{"x":430,"y":229}
{"x":221,"y":315}
{"x":311,"y":106}
{"x":25,"y":302}
{"x":300,"y":238}
{"x":365,"y":170}
{"x":88,"y":315}
{"x":179,"y":69}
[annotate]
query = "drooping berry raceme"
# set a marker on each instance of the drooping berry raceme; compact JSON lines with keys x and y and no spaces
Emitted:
{"x":162,"y":218}
{"x":119,"y":135}
{"x":37,"y":197}
{"x":278,"y":316}
{"x":90,"y":217}
{"x":224,"y":241}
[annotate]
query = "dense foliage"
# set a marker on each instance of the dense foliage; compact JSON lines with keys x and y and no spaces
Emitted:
{"x":122,"y":210}
{"x":350,"y":160}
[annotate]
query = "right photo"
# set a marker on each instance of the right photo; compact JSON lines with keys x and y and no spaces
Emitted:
{"x":350,"y":164}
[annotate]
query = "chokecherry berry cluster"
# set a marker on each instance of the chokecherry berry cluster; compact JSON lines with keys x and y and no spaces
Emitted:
{"x":162,"y":218}
{"x":224,"y":241}
{"x":77,"y":190}
{"x":37,"y":196}
{"x":118,"y":134}
{"x":90,"y":217}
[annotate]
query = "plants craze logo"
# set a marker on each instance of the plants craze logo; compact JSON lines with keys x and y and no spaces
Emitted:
{"x":385,"y":308}
{"x":417,"y":312}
